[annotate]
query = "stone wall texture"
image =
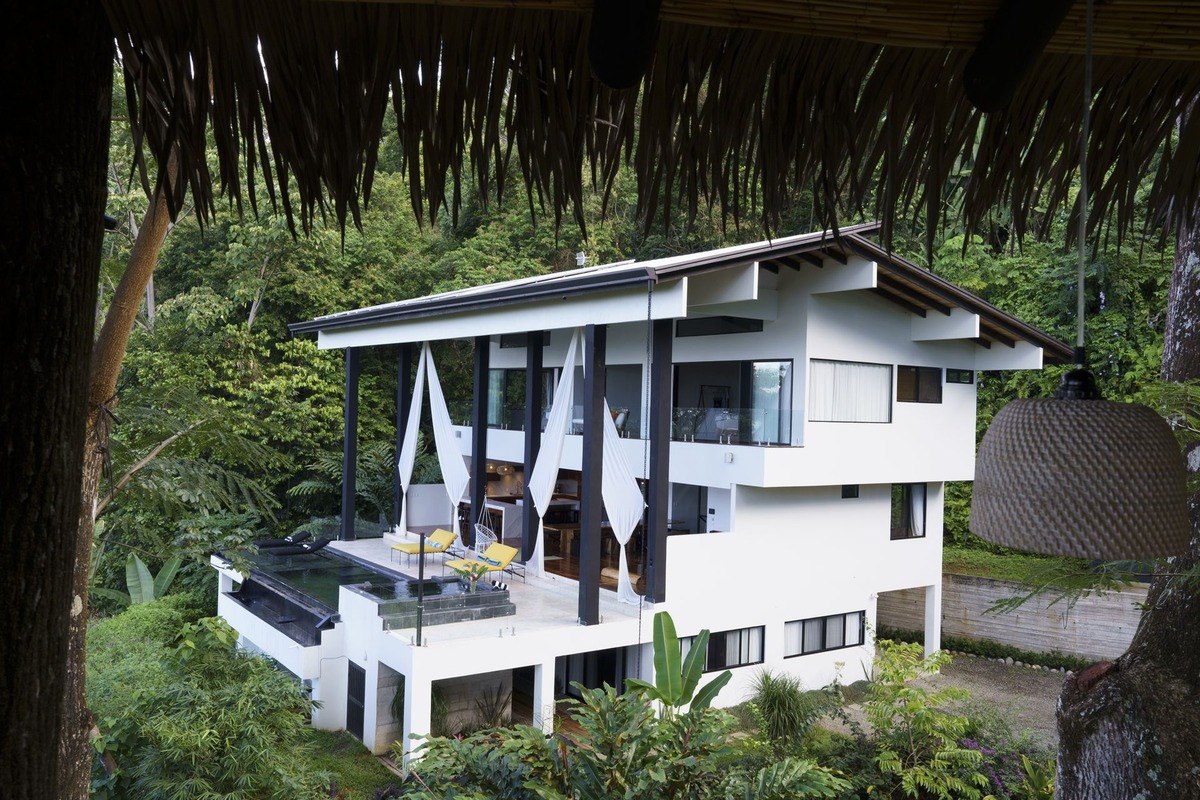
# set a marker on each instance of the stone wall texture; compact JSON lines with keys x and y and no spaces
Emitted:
{"x":1094,"y":627}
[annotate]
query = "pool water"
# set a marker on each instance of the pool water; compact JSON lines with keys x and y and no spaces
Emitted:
{"x":407,"y":590}
{"x":319,"y":576}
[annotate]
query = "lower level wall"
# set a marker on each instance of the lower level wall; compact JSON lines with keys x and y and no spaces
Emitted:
{"x":463,"y":697}
{"x":1093,"y":627}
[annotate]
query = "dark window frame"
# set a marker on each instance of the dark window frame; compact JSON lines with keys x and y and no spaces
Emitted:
{"x":716,"y":644}
{"x":862,"y":633}
{"x":906,"y":511}
{"x":849,"y":491}
{"x":963,"y":377}
{"x":923,"y":378}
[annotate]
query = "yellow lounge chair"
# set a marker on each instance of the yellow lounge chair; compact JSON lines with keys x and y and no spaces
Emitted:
{"x":438,"y":542}
{"x":497,"y":558}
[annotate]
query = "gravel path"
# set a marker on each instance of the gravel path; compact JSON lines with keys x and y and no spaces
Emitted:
{"x":1024,"y":696}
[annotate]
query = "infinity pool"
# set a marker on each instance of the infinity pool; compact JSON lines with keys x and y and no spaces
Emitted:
{"x":318,"y":576}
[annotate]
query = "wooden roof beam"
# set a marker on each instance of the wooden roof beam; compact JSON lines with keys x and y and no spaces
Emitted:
{"x":996,"y":336}
{"x":1012,"y":41}
{"x":907,"y":305}
{"x":836,"y":254}
{"x":912,"y":294}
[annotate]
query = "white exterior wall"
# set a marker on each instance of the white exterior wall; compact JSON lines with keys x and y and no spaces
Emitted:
{"x":797,"y":553}
{"x":923,"y":442}
{"x":791,"y":548}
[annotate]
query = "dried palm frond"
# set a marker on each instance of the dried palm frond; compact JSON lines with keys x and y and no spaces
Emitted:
{"x":730,"y":113}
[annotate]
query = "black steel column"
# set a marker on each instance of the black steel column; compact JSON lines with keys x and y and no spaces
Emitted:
{"x":591,"y":503}
{"x":534,"y":343}
{"x":404,"y":388}
{"x":659,"y":480}
{"x":350,"y":443}
{"x":479,"y":432}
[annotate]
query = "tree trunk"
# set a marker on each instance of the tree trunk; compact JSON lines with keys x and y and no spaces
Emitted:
{"x":1131,"y":731}
{"x":52,"y":179}
{"x":107,"y":354}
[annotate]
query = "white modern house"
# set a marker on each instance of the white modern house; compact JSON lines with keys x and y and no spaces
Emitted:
{"x":789,"y":410}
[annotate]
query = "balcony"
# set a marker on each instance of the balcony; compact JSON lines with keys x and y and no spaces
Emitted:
{"x":762,"y":427}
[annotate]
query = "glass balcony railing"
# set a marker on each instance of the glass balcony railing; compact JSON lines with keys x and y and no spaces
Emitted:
{"x":753,"y":426}
{"x":746,"y":426}
{"x":512,"y":418}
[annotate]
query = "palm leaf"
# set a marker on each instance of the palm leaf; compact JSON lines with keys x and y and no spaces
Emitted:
{"x":708,"y":692}
{"x":667,"y":674}
{"x":112,"y":594}
{"x":162,"y":581}
{"x":139,"y":580}
{"x":693,"y":666}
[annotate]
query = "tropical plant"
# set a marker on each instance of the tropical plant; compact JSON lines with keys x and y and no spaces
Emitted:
{"x":676,"y":678}
{"x":494,"y":709}
{"x":206,"y":720}
{"x":375,"y":470}
{"x":142,"y":586}
{"x":471,"y":572}
{"x":792,"y":778}
{"x":786,"y":709}
{"x":918,"y":745}
{"x":1038,"y":783}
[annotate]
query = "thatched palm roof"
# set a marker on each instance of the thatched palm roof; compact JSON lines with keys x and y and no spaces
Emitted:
{"x":745,"y":102}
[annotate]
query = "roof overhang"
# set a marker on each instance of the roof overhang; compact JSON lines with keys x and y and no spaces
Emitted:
{"x":699,"y":284}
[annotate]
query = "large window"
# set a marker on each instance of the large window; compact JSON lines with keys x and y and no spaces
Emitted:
{"x":804,"y":636}
{"x":918,"y":384}
{"x":849,"y":391}
{"x":734,"y":402}
{"x":506,"y":397}
{"x":726,"y":649}
{"x":908,"y":510}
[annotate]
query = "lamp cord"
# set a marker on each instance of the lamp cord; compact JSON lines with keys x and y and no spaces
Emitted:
{"x":1083,"y":184}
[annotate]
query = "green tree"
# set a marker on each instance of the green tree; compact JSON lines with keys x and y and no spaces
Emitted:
{"x":204,"y":720}
{"x":917,"y":742}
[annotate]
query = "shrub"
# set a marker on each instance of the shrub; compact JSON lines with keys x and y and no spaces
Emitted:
{"x":919,"y":746}
{"x":985,"y":648}
{"x":195,"y":718}
{"x":787,"y":709}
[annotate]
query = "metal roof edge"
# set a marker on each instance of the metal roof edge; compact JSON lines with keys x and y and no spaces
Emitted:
{"x":514,"y":292}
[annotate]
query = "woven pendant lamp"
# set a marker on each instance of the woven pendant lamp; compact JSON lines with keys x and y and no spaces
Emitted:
{"x":1083,"y":477}
{"x":1077,"y":475}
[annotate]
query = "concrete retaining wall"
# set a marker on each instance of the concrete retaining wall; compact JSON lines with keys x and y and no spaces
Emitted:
{"x":1094,"y":627}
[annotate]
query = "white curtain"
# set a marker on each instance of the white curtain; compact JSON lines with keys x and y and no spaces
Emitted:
{"x":792,"y":638}
{"x":454,"y":467}
{"x":843,"y":391}
{"x":545,"y":469}
{"x":916,"y":509}
{"x":622,"y":500}
{"x":408,"y":451}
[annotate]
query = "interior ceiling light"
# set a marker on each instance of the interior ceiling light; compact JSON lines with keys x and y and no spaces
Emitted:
{"x":1077,"y":475}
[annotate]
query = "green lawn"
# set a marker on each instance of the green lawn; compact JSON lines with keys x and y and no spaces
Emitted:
{"x":355,"y":772}
{"x":1001,"y":566}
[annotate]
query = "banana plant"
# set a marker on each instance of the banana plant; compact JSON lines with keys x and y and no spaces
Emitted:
{"x":143,"y":587}
{"x":676,"y":678}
